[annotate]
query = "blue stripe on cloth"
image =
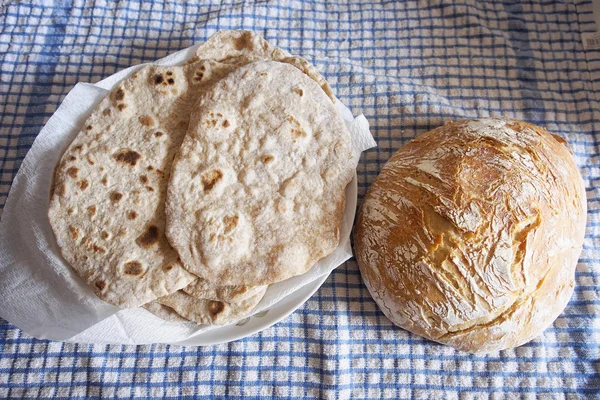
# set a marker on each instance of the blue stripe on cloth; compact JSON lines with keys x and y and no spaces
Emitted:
{"x":409,"y":67}
{"x":42,"y":85}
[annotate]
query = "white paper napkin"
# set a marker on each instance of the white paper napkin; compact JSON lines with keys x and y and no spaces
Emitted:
{"x":41,"y":294}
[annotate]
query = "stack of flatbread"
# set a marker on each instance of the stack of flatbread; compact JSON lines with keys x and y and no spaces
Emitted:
{"x":192,"y":188}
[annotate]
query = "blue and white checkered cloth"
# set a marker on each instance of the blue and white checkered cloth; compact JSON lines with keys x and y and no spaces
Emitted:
{"x":408,"y":67}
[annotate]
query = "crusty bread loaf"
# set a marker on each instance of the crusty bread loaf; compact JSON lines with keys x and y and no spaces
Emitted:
{"x":471,"y":233}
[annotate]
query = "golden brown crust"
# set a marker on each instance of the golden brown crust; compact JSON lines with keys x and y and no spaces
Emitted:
{"x":471,"y":233}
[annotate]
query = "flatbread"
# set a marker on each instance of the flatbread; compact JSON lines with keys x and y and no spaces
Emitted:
{"x":210,"y":312}
{"x":164,"y":312}
{"x":257,"y":189}
{"x":107,"y":200}
{"x":240,"y":47}
{"x":202,"y":289}
{"x":107,"y":206}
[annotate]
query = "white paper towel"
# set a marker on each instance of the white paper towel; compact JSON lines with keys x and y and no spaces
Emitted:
{"x":42,"y":295}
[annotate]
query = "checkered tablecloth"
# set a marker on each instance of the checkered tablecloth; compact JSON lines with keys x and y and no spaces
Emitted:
{"x":408,"y":67}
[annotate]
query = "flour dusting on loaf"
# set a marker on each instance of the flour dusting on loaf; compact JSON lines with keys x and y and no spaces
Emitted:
{"x":471,"y":233}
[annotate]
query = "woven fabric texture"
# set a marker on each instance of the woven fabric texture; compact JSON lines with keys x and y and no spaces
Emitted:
{"x":409,"y":67}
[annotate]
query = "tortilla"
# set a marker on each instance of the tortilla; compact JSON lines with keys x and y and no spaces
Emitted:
{"x":209,"y":311}
{"x":257,"y":189}
{"x":202,"y":289}
{"x":107,"y":201}
{"x":244,"y":47}
{"x":164,"y":312}
{"x":107,"y":206}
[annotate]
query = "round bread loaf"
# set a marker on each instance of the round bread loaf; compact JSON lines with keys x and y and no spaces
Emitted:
{"x":471,"y":233}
